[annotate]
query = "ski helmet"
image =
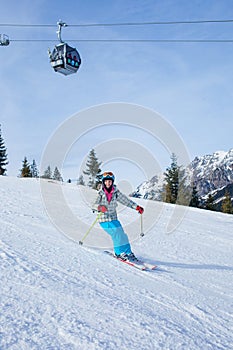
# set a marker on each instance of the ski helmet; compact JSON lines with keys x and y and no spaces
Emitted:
{"x":108,"y":175}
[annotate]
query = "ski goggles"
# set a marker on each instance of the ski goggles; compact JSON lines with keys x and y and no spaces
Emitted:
{"x":108,"y":173}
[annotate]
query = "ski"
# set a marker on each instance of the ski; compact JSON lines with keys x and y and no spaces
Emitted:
{"x":140,"y":265}
{"x":150,"y":266}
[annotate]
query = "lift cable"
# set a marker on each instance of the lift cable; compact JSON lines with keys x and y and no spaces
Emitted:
{"x":133,"y":40}
{"x":151,"y":23}
{"x":120,"y":24}
{"x":61,"y":24}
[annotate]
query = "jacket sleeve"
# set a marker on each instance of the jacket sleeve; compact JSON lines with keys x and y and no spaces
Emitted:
{"x":97,"y":202}
{"x":123,"y":199}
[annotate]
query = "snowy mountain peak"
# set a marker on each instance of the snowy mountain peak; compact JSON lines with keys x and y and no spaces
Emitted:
{"x":209,"y":173}
{"x":214,"y":160}
{"x":150,"y":189}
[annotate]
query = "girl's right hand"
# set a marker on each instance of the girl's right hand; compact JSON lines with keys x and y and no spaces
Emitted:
{"x":102,"y":208}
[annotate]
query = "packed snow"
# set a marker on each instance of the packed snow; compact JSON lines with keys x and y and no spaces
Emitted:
{"x":56,"y":294}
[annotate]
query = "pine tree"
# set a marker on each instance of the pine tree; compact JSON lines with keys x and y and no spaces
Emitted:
{"x":167,"y":195}
{"x":209,"y":204}
{"x":227,"y":206}
{"x":3,"y":155}
{"x":172,"y":181}
{"x":26,"y":169}
{"x":195,"y":200}
{"x":93,"y":169}
{"x":47,"y":173}
{"x":57,"y":175}
{"x":34,"y":170}
{"x":80,"y":181}
{"x":184,"y":188}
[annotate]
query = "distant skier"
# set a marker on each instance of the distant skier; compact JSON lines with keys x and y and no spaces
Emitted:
{"x":106,"y":203}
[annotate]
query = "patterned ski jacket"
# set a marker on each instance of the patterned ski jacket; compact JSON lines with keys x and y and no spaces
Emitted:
{"x":117,"y":196}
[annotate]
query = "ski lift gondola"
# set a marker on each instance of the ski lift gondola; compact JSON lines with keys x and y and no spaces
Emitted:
{"x":64,"y":58}
{"x":4,"y":40}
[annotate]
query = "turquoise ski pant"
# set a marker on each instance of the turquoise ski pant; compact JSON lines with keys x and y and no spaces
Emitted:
{"x":119,"y":237}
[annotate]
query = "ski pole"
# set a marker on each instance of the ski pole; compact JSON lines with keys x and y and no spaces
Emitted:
{"x":89,"y":230}
{"x":141,"y":234}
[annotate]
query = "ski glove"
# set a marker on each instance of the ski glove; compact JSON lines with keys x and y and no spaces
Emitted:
{"x":140,"y":209}
{"x":102,"y":208}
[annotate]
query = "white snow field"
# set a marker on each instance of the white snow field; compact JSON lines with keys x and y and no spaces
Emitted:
{"x":56,"y":294}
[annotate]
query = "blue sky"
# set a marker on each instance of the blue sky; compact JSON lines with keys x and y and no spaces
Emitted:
{"x":189,"y":84}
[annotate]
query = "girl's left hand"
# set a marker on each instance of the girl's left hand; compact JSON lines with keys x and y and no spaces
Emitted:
{"x":140,"y":209}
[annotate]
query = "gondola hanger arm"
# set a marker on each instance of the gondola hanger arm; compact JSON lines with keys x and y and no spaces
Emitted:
{"x":60,"y":25}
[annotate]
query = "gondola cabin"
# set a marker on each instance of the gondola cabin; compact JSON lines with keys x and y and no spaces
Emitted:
{"x":65,"y":59}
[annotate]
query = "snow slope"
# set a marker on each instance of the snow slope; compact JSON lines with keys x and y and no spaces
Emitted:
{"x":56,"y":294}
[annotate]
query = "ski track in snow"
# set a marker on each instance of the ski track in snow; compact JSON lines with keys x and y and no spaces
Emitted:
{"x":56,"y":294}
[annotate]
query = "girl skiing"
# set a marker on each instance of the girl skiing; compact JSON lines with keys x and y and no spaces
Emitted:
{"x":106,"y":203}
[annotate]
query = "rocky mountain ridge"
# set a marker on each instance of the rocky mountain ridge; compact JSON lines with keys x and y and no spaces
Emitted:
{"x":211,"y":174}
